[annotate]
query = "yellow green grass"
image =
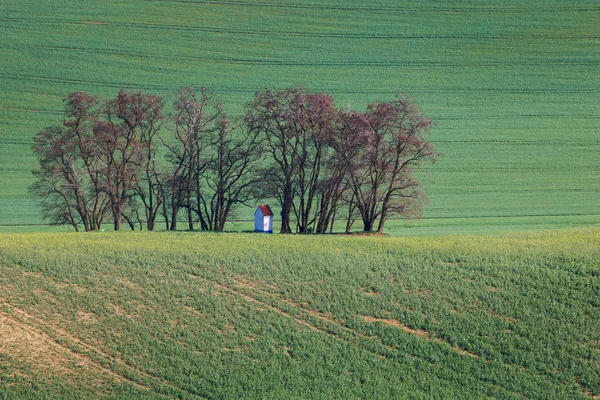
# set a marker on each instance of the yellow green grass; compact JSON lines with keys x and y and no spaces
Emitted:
{"x":271,"y":316}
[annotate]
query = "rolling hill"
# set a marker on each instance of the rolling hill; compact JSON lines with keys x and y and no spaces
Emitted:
{"x":228,"y":316}
{"x":513,"y":85}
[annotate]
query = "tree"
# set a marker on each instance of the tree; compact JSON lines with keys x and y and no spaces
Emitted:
{"x":344,"y":146}
{"x":213,"y":161}
{"x":382,"y":174}
{"x":69,"y":179}
{"x":296,"y":126}
{"x":58,"y":185}
{"x":316,"y":130}
{"x":194,"y":118}
{"x":102,"y":161}
{"x":142,"y":112}
{"x":233,"y":159}
{"x":123,"y":137}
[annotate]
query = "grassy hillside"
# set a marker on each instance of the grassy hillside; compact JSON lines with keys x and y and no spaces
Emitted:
{"x":231,"y":315}
{"x":513,"y":85}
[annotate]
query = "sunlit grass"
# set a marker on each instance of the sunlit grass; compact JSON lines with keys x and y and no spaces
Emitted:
{"x":227,"y":315}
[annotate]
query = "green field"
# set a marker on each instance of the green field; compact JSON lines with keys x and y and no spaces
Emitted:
{"x":512,"y":84}
{"x":250,"y":316}
{"x":514,"y":88}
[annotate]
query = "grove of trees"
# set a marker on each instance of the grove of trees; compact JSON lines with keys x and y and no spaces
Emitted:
{"x":128,"y":161}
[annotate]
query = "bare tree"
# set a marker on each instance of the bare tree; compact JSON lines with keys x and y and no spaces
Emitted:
{"x":69,"y":180}
{"x":121,"y":137}
{"x":233,"y":159}
{"x":343,"y":147}
{"x":382,"y":175}
{"x":195,"y":117}
{"x":270,"y":114}
{"x":315,"y":132}
{"x":62,"y":193}
{"x":102,"y":161}
{"x":143,"y":112}
{"x":296,"y":125}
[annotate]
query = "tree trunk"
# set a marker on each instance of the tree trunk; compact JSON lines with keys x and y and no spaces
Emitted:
{"x":381,"y":224}
{"x":129,"y":222}
{"x":285,"y":216}
{"x":190,"y":217}
{"x":174,"y":211}
{"x":286,"y":209}
{"x":165,"y":214}
{"x":351,"y":208}
{"x":349,"y":223}
{"x":332,"y":220}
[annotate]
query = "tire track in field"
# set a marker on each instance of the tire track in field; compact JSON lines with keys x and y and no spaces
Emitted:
{"x":31,"y":110}
{"x":242,"y":281}
{"x":382,"y":8}
{"x":255,"y":300}
{"x":44,"y":339}
{"x":307,"y":34}
{"x":29,"y":328}
{"x":32,"y":324}
{"x":333,"y":63}
{"x":355,"y":338}
{"x":513,"y":90}
{"x":232,"y":90}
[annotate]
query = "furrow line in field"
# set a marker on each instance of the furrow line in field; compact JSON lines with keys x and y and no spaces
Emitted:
{"x":251,"y":286}
{"x":263,"y":304}
{"x":513,"y":116}
{"x":30,"y":110}
{"x":536,"y":128}
{"x":59,"y":336}
{"x":244,"y":282}
{"x":260,"y":286}
{"x":463,"y":191}
{"x":382,"y":8}
{"x":583,"y":142}
{"x":510,"y":216}
{"x":49,"y":339}
{"x":118,"y":85}
{"x":355,"y":337}
{"x":275,"y":62}
{"x":526,"y":168}
{"x":327,"y":35}
{"x":139,"y":86}
{"x":255,"y":300}
{"x":328,"y":90}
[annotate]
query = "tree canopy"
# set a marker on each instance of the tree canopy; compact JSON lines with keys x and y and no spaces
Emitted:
{"x":127,"y":160}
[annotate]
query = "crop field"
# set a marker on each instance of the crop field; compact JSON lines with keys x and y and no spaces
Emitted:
{"x":513,"y":85}
{"x":154,"y":315}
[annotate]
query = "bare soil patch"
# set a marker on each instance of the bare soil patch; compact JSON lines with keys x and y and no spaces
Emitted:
{"x":86,"y":317}
{"x":397,"y":324}
{"x":418,"y":332}
{"x":130,"y":285}
{"x":369,"y":292}
{"x":37,"y":353}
